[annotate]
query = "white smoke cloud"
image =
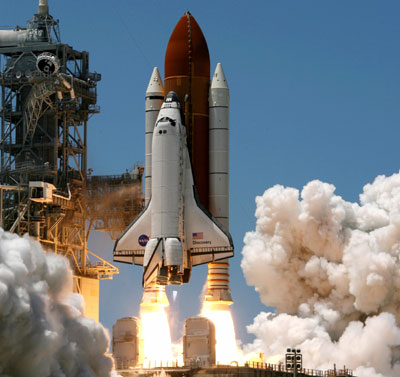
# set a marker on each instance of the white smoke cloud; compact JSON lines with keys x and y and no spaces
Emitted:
{"x":42,"y":329}
{"x":332,"y":270}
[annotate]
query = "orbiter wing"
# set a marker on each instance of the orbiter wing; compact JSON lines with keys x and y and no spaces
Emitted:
{"x":130,"y":246}
{"x":204,"y":236}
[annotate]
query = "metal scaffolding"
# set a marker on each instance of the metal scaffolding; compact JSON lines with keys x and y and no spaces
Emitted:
{"x":48,"y":95}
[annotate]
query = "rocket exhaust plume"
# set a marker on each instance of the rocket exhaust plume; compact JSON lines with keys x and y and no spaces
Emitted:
{"x":331,"y":269}
{"x":219,"y":313}
{"x":155,"y":327}
{"x":42,"y":329}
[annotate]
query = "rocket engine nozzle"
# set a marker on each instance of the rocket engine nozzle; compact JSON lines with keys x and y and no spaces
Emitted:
{"x":218,"y":284}
{"x":162,"y":276}
{"x":169,"y":275}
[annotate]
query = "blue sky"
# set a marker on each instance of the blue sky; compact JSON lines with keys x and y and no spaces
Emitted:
{"x":314,"y":95}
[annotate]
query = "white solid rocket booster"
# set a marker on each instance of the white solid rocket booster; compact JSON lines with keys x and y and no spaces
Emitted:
{"x":153,"y":102}
{"x":218,"y":272}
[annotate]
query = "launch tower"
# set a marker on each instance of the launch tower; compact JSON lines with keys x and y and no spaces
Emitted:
{"x":48,"y":94}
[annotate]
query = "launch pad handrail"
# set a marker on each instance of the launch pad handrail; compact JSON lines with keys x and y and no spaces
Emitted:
{"x":230,"y":370}
{"x":281,"y":368}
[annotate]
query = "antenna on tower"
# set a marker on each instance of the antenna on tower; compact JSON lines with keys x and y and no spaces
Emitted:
{"x":43,"y":7}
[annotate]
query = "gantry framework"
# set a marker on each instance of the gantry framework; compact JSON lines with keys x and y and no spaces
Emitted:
{"x":48,"y":95}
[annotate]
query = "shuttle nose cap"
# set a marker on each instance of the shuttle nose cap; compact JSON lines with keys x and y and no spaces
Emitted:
{"x":172,"y":97}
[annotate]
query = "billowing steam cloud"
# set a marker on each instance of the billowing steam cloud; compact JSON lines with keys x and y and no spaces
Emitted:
{"x":42,"y":329}
{"x":332,"y":270}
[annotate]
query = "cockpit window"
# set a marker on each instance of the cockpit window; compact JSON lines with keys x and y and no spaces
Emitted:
{"x":167,"y":119}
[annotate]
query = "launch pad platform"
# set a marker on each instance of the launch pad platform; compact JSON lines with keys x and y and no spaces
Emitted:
{"x":247,"y":370}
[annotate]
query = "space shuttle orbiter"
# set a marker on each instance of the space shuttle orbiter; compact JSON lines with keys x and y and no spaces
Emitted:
{"x":174,"y":232}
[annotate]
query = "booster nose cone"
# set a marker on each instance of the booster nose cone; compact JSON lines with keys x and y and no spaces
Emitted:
{"x":155,"y":87}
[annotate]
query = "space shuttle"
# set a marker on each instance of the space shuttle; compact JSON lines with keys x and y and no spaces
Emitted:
{"x":174,"y":232}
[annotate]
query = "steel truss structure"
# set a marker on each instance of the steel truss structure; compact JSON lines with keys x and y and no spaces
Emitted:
{"x":44,"y":112}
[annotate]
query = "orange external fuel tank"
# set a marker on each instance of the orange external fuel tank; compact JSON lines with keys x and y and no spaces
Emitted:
{"x":187,"y":73}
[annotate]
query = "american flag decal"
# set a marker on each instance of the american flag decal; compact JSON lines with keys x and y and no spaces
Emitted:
{"x":197,"y":236}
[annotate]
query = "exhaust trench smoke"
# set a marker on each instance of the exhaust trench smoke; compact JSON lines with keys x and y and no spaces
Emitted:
{"x":332,"y":270}
{"x":42,"y":329}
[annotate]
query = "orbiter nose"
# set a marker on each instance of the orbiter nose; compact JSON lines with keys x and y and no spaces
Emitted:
{"x":172,"y":97}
